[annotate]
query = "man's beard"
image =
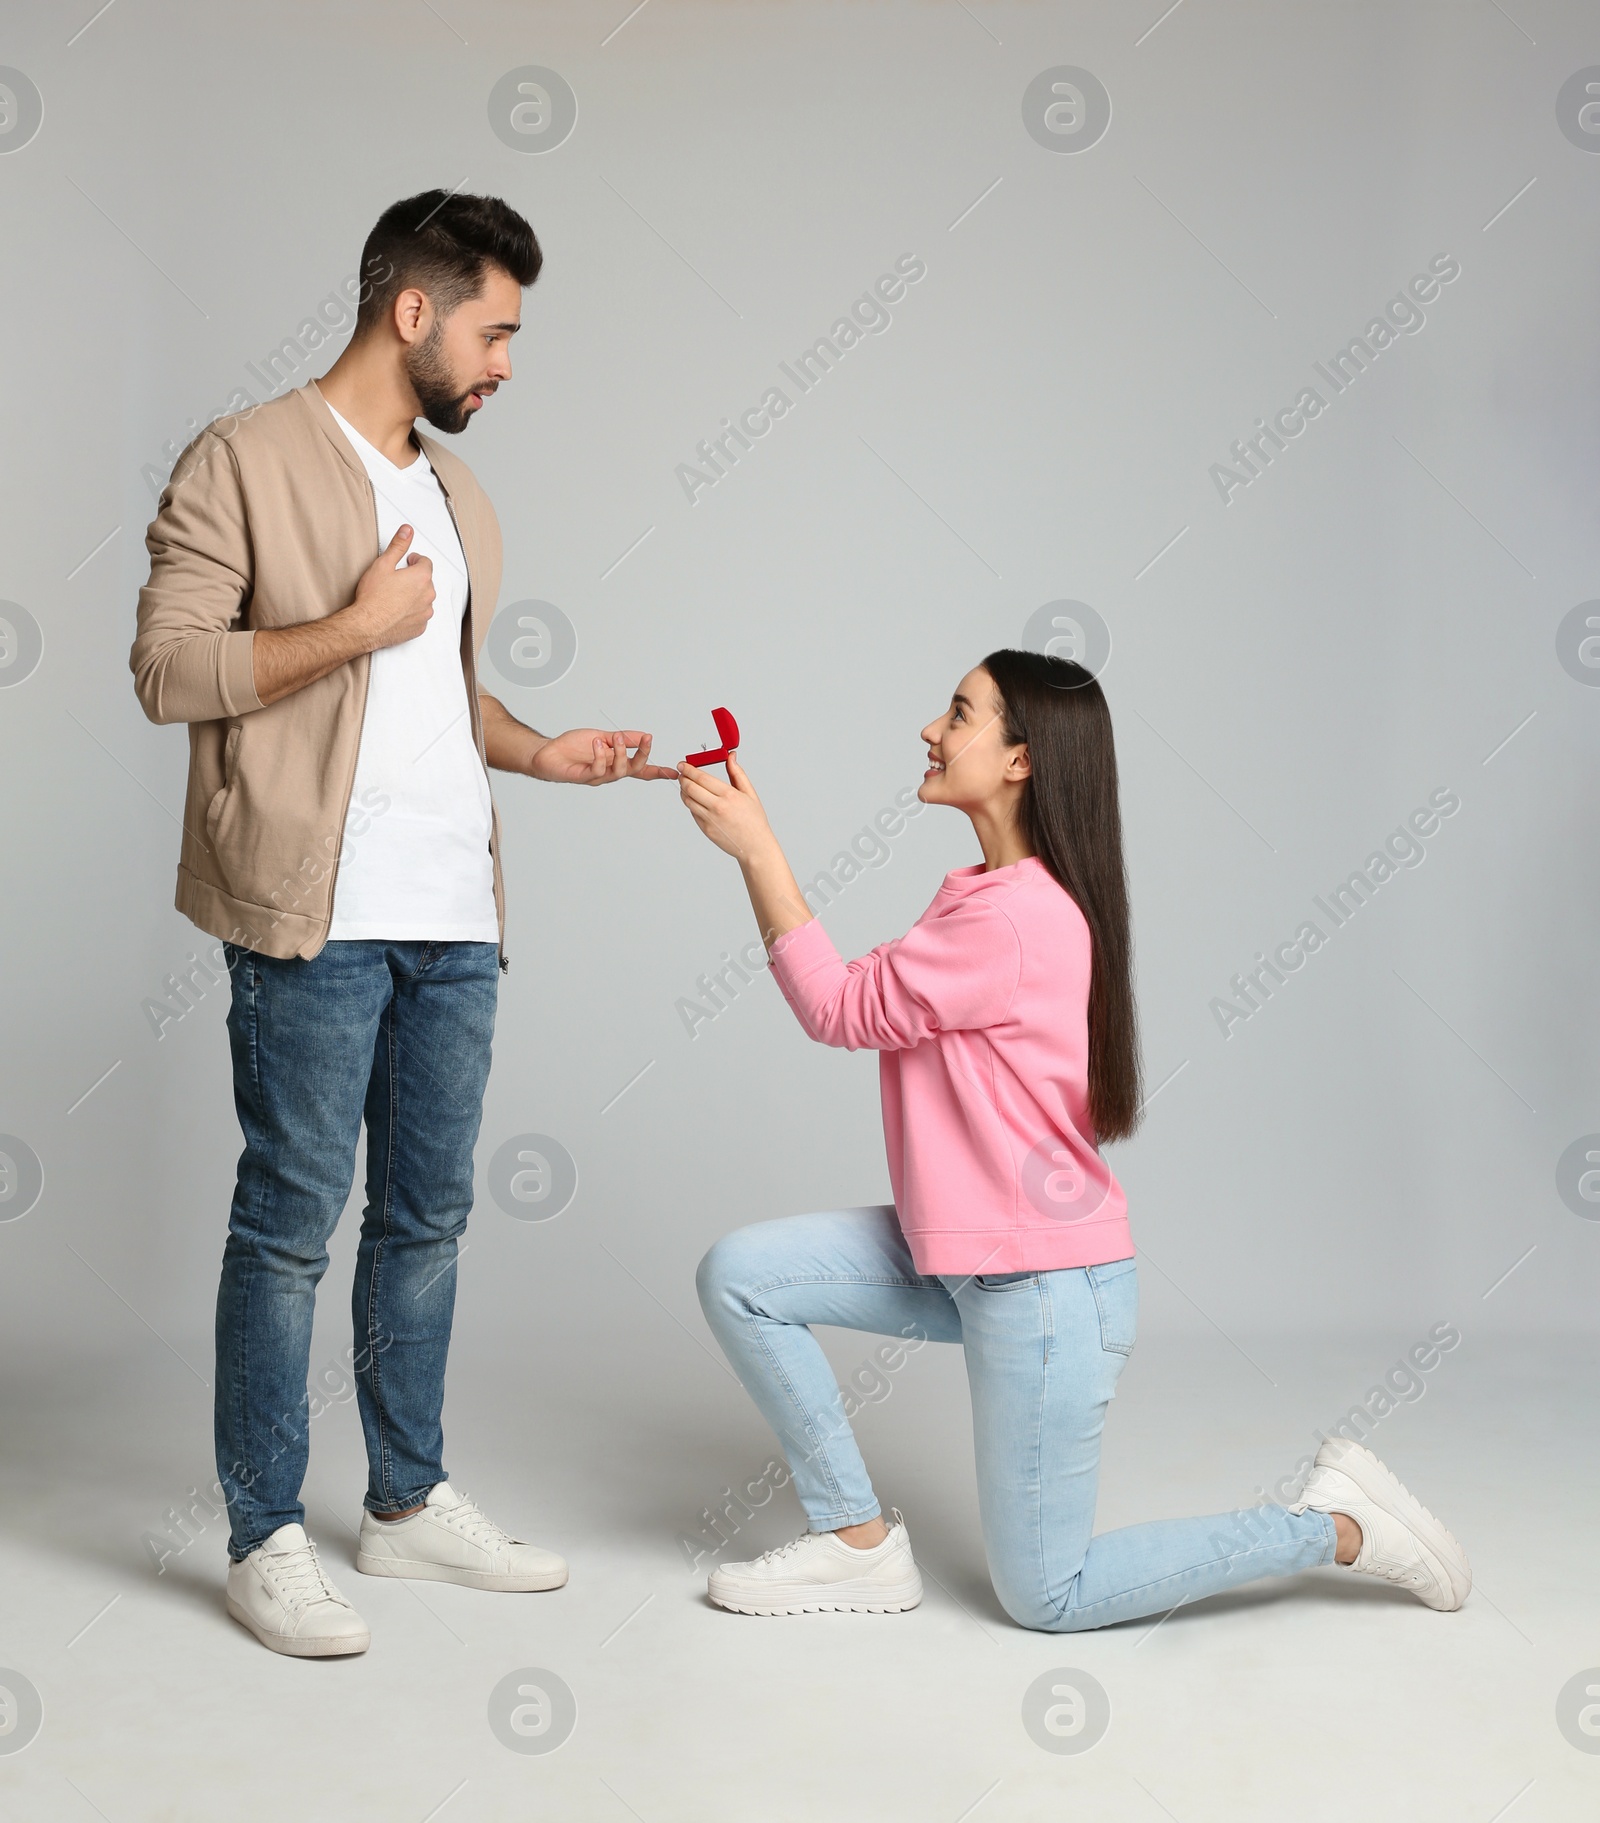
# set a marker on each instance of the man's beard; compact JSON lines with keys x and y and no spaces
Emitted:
{"x":434,"y":384}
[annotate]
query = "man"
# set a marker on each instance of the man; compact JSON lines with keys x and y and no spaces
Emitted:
{"x":340,"y":837}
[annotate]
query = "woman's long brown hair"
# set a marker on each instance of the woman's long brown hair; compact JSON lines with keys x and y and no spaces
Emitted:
{"x":1069,"y":814}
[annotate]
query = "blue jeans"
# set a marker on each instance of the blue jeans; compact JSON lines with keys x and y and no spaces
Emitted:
{"x":398,"y":1034}
{"x":1044,"y":1351}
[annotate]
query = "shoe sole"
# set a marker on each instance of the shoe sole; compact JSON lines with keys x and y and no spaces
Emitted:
{"x":402,"y":1569}
{"x":298,"y":1648}
{"x":820,"y":1601}
{"x":1387,"y":1490}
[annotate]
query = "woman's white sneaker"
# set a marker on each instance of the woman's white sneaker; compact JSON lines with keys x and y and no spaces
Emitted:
{"x":1401,"y":1541}
{"x":282,"y":1594}
{"x":451,"y":1540}
{"x":818,"y":1573}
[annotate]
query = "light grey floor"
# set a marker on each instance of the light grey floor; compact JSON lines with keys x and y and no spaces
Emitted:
{"x":1321,"y":1698}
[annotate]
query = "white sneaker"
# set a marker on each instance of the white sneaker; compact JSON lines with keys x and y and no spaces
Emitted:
{"x":282,"y":1594}
{"x":1401,"y":1541}
{"x":818,"y":1573}
{"x":449,"y":1540}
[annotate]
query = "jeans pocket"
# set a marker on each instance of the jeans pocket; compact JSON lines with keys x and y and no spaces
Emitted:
{"x":1116,"y":1296}
{"x":1004,"y":1281}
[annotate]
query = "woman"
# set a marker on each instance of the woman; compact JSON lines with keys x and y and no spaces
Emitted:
{"x":1009,"y":1052}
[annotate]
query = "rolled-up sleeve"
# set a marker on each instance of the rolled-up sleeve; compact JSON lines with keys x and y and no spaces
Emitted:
{"x":951,"y":973}
{"x":191,"y":657}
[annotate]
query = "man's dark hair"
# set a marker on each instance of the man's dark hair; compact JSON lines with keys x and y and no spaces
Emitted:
{"x":442,"y":243}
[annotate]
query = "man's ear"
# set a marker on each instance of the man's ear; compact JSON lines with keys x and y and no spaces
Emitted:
{"x":412,"y":314}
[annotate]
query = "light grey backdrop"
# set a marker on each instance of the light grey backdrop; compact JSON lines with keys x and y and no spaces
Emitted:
{"x":1375,"y":617}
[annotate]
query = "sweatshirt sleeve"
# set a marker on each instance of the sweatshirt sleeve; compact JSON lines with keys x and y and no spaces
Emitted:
{"x":191,"y":657}
{"x":956,"y":972}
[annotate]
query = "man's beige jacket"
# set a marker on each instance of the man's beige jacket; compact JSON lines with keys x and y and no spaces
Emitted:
{"x":269,"y":521}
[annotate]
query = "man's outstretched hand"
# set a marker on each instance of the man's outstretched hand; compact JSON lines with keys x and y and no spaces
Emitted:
{"x":594,"y":756}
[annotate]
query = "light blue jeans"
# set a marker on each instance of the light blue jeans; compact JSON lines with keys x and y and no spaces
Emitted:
{"x":1044,"y":1351}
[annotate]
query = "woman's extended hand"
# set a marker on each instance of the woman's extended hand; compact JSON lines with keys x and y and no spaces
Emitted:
{"x":730,"y":814}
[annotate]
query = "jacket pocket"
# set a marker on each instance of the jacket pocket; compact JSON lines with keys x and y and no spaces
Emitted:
{"x":1116,"y":1296}
{"x":230,"y":768}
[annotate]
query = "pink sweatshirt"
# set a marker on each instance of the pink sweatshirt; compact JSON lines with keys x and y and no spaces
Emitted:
{"x":981,"y":1014}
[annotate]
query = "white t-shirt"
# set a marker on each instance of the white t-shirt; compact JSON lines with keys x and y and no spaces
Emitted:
{"x":415,"y":863}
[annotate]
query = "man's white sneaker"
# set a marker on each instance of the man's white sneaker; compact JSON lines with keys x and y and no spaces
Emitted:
{"x":282,"y":1594}
{"x":1401,"y":1541}
{"x":818,"y":1573}
{"x":450,"y":1540}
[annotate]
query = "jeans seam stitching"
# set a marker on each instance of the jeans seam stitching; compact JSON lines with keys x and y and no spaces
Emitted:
{"x":1038,"y":1451}
{"x":818,"y":1453}
{"x":851,"y":1278}
{"x":241,"y":1327}
{"x":374,"y":1288}
{"x":1178,"y":1575}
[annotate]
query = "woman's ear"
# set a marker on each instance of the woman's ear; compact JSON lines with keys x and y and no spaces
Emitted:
{"x":1018,"y":765}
